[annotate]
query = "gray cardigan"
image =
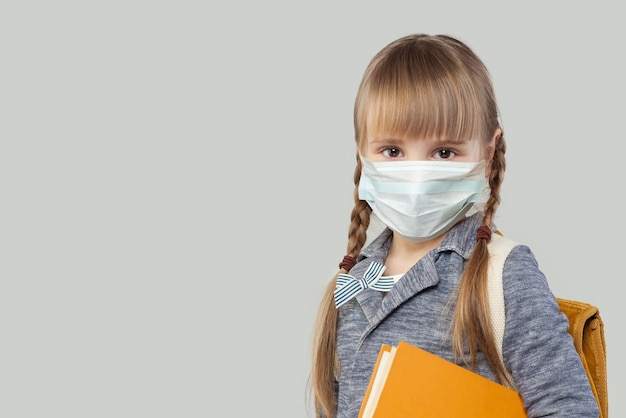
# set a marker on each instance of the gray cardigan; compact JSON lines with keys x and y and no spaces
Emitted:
{"x":537,"y":350}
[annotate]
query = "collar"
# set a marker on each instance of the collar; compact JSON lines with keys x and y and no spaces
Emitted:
{"x":460,"y":239}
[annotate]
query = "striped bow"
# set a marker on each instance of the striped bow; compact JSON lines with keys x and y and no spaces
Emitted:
{"x":349,"y":286}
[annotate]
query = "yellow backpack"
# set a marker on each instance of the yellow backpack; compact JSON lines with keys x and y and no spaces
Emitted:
{"x":587,"y":329}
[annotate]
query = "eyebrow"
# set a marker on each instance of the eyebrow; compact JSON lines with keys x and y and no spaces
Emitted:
{"x":438,"y":141}
{"x":392,"y":141}
{"x":447,"y":142}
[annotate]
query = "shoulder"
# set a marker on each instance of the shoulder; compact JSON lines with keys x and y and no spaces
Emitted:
{"x":522,"y":278}
{"x":527,"y":292}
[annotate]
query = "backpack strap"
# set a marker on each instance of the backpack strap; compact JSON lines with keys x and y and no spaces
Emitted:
{"x":499,"y":249}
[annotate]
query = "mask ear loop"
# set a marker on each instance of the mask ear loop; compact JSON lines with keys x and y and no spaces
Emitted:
{"x":499,"y":121}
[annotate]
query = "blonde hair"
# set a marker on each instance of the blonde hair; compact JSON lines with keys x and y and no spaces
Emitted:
{"x":422,"y":85}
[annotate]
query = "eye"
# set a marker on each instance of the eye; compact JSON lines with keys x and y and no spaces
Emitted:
{"x":444,"y":153}
{"x":392,"y":152}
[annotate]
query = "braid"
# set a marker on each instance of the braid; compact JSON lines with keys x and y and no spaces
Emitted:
{"x":359,"y":218}
{"x":496,"y":176}
{"x":472,"y":304}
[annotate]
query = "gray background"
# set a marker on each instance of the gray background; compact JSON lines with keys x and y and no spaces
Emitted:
{"x":177,"y":180}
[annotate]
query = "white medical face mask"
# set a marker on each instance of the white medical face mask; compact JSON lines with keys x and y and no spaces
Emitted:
{"x":421,"y":200}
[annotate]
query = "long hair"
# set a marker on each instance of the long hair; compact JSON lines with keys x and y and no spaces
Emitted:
{"x":422,"y":85}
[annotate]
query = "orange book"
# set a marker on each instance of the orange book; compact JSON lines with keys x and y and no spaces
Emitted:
{"x":408,"y":382}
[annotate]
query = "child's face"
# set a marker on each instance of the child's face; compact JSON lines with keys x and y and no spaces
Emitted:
{"x":393,"y":148}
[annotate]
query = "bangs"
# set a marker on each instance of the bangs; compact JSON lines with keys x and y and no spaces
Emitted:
{"x":424,"y":94}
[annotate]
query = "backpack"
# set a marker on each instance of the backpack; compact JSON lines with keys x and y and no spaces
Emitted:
{"x":585,"y":324}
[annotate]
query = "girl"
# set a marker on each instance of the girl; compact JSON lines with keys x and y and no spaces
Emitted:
{"x":430,"y":164}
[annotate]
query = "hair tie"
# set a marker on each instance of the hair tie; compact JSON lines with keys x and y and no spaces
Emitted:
{"x":484,"y":232}
{"x":347,"y":263}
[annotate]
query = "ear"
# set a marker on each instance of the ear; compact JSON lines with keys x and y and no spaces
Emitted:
{"x":490,"y":149}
